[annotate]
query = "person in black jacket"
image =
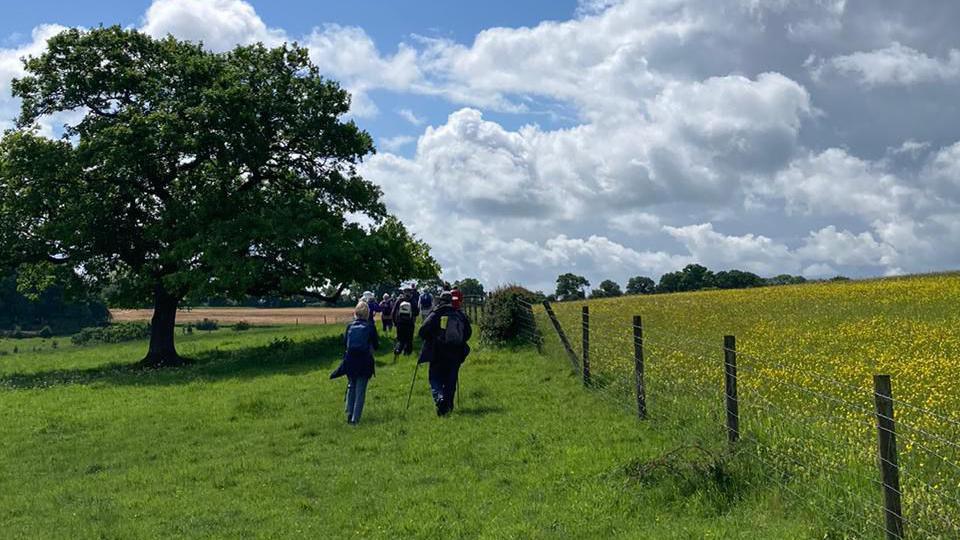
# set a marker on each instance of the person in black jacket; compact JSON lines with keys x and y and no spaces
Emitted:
{"x":445,"y":333}
{"x":405,"y":323}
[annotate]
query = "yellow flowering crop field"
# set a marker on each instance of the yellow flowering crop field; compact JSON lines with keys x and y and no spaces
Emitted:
{"x":806,"y":359}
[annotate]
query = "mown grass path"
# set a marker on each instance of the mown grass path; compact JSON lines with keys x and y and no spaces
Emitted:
{"x":251,"y":441}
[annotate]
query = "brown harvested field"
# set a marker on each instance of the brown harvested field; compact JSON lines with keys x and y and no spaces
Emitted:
{"x":255,"y":316}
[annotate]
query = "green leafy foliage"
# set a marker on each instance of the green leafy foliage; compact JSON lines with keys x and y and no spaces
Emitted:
{"x":505,"y":318}
{"x":571,"y":287}
{"x":241,"y":326}
{"x":470,"y":287}
{"x":115,"y":333}
{"x":786,"y":279}
{"x":207,"y":325}
{"x":607,"y":289}
{"x":193,"y":174}
{"x":56,"y":305}
{"x":641,"y":285}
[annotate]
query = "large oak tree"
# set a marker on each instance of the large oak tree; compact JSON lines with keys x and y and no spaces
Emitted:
{"x":192,"y":173}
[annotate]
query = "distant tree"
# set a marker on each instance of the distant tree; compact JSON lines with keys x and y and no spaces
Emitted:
{"x":571,"y":286}
{"x":670,"y":282}
{"x":839,"y":278}
{"x":470,"y":286}
{"x":607,"y":289}
{"x":192,"y":174}
{"x":694,"y":277}
{"x":641,"y":285}
{"x":737,"y":279}
{"x":786,"y":279}
{"x":64,"y":308}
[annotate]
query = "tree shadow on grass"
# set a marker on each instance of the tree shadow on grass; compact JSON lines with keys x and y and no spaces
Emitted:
{"x":282,"y":356}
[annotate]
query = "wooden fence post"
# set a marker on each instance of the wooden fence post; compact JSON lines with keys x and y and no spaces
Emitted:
{"x":889,"y":461}
{"x":638,"y":367}
{"x":574,"y":361}
{"x":586,"y":346}
{"x":730,"y":380}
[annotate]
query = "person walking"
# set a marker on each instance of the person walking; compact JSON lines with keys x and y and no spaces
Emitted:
{"x":414,"y":300}
{"x":372,"y":303}
{"x":457,"y":298}
{"x":426,"y":303}
{"x":445,"y":333}
{"x":386,"y":315}
{"x":361,"y":341}
{"x":404,"y":317}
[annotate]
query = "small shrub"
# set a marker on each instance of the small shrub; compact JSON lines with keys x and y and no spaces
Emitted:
{"x":241,"y":326}
{"x":208,"y":325}
{"x":115,"y":333}
{"x":46,"y":332}
{"x":16,"y":349}
{"x":505,"y":317}
{"x":54,"y":345}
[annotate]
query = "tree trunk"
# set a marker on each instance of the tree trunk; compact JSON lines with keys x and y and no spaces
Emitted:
{"x":163,"y":352}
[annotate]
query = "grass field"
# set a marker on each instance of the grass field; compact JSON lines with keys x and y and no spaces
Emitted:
{"x":251,"y":441}
{"x":257,"y":316}
{"x":807,"y":355}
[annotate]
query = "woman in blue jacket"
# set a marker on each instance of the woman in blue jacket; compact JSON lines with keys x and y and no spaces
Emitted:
{"x":361,"y":341}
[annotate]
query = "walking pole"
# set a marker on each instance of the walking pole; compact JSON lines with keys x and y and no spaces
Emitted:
{"x":410,"y":395}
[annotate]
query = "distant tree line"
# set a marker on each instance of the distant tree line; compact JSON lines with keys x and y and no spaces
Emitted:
{"x":60,"y":308}
{"x":693,"y":277}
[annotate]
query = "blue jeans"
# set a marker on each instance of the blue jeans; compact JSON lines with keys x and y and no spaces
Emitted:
{"x":356,"y":394}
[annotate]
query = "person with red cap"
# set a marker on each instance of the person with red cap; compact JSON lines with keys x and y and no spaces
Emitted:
{"x":457,"y":298}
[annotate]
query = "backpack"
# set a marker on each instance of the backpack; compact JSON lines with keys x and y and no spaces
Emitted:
{"x":453,"y":329}
{"x":358,"y":337}
{"x":426,"y":300}
{"x":405,"y":313}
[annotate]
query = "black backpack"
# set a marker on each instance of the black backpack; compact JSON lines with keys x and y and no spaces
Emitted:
{"x":453,"y":329}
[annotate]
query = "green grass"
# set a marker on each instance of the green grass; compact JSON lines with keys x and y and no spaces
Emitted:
{"x":251,"y":441}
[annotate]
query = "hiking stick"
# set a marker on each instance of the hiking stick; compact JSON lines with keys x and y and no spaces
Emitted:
{"x":410,"y":395}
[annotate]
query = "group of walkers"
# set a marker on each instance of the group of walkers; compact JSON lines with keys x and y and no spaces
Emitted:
{"x":445,"y":331}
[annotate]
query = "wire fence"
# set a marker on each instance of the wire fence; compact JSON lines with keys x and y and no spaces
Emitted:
{"x":853,"y":457}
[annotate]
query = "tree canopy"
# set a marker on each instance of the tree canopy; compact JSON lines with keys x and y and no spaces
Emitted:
{"x":470,"y":287}
{"x":641,"y":285}
{"x":737,"y":279}
{"x":193,"y":174}
{"x":607,"y":289}
{"x":571,"y":286}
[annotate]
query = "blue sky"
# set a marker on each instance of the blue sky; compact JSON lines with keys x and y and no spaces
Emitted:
{"x":386,"y":22}
{"x":616,"y":138}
